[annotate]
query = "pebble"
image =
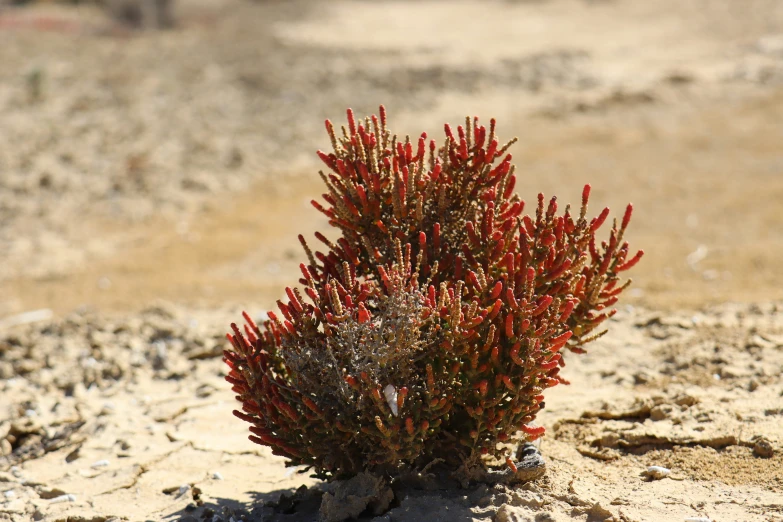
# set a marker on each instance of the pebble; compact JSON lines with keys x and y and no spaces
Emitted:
{"x":63,"y":498}
{"x":100,"y":464}
{"x":10,"y":494}
{"x":657,"y":472}
{"x":217,"y":475}
{"x":763,"y":448}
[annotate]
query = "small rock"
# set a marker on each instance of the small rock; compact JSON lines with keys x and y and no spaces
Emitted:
{"x":63,"y":498}
{"x":656,"y":472}
{"x":685,"y":400}
{"x":352,"y":497}
{"x":100,"y":464}
{"x":763,"y":448}
{"x":5,"y":448}
{"x":217,"y":476}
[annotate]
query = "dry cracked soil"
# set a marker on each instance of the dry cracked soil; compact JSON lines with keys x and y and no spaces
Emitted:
{"x":152,"y":185}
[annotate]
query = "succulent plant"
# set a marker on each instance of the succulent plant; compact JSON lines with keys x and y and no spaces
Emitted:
{"x":431,"y":326}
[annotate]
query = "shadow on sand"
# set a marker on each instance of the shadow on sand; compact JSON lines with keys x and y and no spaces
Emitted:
{"x":302,"y":505}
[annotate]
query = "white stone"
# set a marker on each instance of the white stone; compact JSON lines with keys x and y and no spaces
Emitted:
{"x":390,"y":392}
{"x":63,"y":498}
{"x":657,"y":472}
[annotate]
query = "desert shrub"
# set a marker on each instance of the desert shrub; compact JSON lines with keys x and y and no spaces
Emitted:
{"x":430,"y":328}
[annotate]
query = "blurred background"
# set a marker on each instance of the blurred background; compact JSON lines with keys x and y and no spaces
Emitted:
{"x":165,"y":149}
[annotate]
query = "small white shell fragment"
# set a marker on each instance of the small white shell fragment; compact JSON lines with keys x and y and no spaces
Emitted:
{"x":217,"y":475}
{"x":63,"y":498}
{"x":657,"y":472}
{"x":100,"y":464}
{"x":390,"y":392}
{"x":697,"y":519}
{"x":33,"y":316}
{"x":10,"y":494}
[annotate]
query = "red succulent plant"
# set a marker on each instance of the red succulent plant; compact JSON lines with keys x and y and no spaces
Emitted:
{"x":430,"y":328}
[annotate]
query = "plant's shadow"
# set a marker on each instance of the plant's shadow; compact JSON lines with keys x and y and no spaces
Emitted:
{"x":289,"y":505}
{"x":302,"y":505}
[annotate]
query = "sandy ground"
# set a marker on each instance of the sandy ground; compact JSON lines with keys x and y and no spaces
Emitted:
{"x":152,"y":186}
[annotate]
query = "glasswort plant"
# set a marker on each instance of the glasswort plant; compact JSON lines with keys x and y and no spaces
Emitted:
{"x":432,"y":326}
